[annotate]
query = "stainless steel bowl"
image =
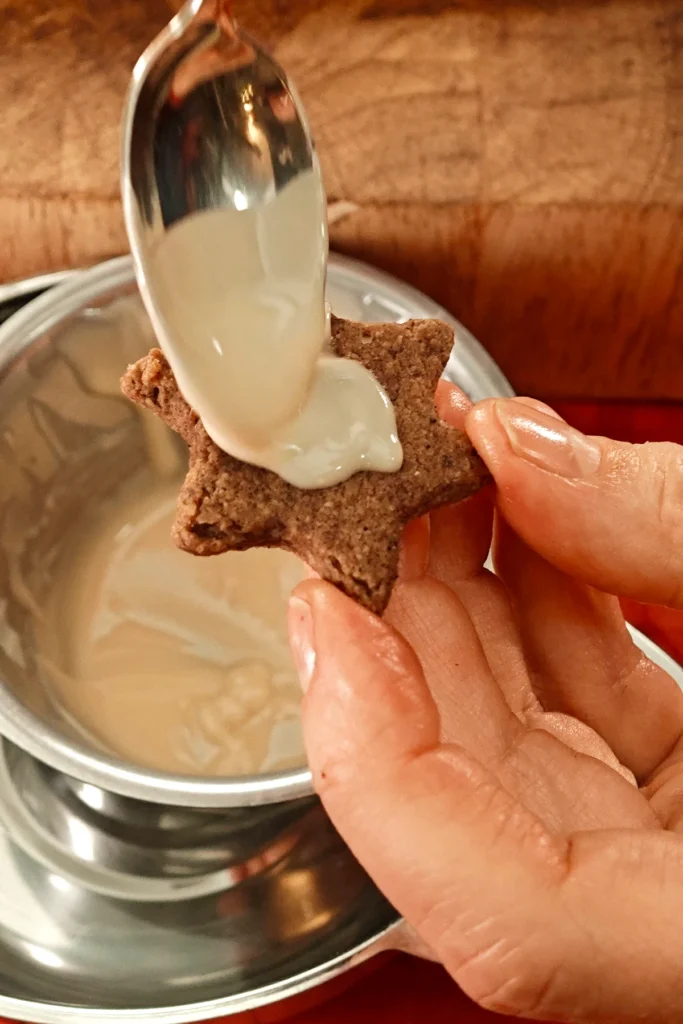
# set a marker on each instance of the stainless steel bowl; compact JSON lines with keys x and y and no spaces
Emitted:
{"x":130,"y":894}
{"x":64,"y":432}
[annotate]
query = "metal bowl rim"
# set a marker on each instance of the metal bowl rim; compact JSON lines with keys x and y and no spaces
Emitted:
{"x":286,"y":988}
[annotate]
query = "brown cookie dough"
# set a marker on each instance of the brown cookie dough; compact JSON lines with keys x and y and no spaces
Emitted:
{"x":348,"y":533}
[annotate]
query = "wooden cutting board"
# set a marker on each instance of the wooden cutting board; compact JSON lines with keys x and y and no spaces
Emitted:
{"x":522,"y":162}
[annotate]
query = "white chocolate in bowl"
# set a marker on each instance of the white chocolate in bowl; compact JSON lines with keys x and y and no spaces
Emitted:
{"x":175,"y":663}
{"x":168,"y":661}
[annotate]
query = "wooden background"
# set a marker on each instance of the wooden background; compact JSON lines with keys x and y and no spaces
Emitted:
{"x":522,"y":162}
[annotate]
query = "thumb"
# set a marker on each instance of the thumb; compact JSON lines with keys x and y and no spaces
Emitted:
{"x":529,"y":922}
{"x":421,"y":817}
{"x":606,"y":512}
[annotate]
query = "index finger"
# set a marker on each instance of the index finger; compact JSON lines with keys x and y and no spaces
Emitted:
{"x":452,"y":404}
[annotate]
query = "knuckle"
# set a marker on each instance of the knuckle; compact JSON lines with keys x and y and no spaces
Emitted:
{"x":665,"y":462}
{"x":656,"y":471}
{"x":665,"y":465}
{"x":511,"y":981}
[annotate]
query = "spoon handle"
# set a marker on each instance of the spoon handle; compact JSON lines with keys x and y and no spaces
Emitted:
{"x":219,"y":11}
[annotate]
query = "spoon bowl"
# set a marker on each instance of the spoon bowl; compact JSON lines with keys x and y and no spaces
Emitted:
{"x":211,"y":122}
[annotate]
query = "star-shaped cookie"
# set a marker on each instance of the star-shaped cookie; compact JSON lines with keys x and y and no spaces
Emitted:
{"x":348,"y":533}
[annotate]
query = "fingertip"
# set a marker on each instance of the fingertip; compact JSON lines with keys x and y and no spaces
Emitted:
{"x":346,"y":634}
{"x":368,"y":698}
{"x":309,"y":594}
{"x":329,"y":603}
{"x":310,"y":604}
{"x":486,"y":433}
{"x":484,"y":427}
{"x":452,"y":404}
{"x":301,"y":638}
{"x":312,"y":588}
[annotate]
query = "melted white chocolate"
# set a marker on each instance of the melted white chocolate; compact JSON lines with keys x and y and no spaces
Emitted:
{"x":175,"y":663}
{"x":240,"y":313}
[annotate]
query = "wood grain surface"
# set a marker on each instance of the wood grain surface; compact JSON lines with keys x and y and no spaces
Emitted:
{"x":522,"y":162}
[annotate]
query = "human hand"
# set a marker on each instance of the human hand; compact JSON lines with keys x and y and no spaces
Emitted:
{"x":497,"y":753}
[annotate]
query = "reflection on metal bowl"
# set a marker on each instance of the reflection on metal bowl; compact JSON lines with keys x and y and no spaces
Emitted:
{"x":129,"y":893}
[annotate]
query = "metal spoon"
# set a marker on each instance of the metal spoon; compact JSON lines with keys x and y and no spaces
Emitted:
{"x":210,"y":121}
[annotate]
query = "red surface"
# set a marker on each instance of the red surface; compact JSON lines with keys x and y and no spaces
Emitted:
{"x":400,"y":990}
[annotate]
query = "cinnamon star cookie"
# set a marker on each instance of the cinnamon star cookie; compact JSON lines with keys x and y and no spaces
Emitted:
{"x":348,"y":533}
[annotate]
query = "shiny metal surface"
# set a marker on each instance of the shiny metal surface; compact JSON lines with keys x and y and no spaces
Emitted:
{"x":82,"y":433}
{"x":15,"y":295}
{"x":77,"y":942}
{"x":132,"y":842}
{"x":123,"y":894}
{"x":17,"y":291}
{"x":107,"y":913}
{"x":68,"y":437}
{"x":69,"y":951}
{"x":210,"y":121}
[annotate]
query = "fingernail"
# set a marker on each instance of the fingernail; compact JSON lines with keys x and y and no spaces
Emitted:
{"x":547,"y":442}
{"x":533,"y":403}
{"x":302,"y":639}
